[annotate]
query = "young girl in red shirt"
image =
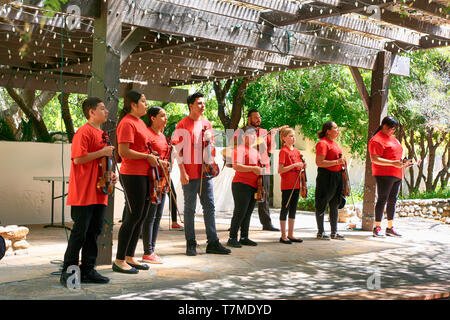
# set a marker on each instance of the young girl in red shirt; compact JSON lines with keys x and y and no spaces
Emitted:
{"x":290,"y":164}
{"x":132,"y":139}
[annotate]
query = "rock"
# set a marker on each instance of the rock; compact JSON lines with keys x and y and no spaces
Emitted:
{"x":403,"y":214}
{"x":447,"y":220}
{"x":440,"y":210}
{"x":411,"y":214}
{"x":21,"y":244}
{"x":432,"y":209}
{"x":8,"y":243}
{"x":14,"y":232}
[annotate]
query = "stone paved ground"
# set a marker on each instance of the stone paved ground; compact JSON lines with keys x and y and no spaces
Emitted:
{"x":360,"y":267}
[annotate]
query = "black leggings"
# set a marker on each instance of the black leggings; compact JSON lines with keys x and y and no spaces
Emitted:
{"x":137,"y":189}
{"x":292,"y":208}
{"x":172,"y":203}
{"x":329,"y":191}
{"x":244,"y":203}
{"x":387,"y":192}
{"x":150,"y":227}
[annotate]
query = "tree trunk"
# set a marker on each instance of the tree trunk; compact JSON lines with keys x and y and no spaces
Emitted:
{"x":30,"y":107}
{"x":221,"y":94}
{"x":67,"y":118}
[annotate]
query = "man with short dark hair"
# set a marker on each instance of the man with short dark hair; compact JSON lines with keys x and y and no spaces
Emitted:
{"x":188,"y":139}
{"x":264,"y":148}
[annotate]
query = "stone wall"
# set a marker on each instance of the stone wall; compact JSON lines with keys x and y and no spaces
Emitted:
{"x":437,"y":209}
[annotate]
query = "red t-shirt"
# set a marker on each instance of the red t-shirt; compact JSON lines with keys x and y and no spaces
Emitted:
{"x":331,"y":150}
{"x":83,"y":177}
{"x":188,"y":140}
{"x":133,"y":130}
{"x":286,"y":158}
{"x":158,"y":143}
{"x":263,"y":148}
{"x":387,"y":147}
{"x":246,"y":156}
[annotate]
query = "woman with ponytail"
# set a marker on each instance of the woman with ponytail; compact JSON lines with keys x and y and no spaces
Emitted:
{"x":157,"y":120}
{"x":329,"y":185}
{"x":132,"y":139}
{"x":386,"y":154}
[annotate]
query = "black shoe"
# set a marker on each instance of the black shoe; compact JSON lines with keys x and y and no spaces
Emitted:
{"x":270,"y":228}
{"x":295,"y":240}
{"x":285,"y":241}
{"x":247,"y":242}
{"x":337,"y":236}
{"x":93,"y":277}
{"x":217,"y":248}
{"x":392,"y":233}
{"x":232,"y":242}
{"x":191,"y":246}
{"x":64,"y":277}
{"x":322,"y":236}
{"x":116,"y":268}
{"x":139,"y":266}
{"x":377,"y":232}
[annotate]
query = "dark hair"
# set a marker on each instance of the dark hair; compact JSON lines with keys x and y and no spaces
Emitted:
{"x":325,"y":127}
{"x":90,"y":103}
{"x":389,"y":121}
{"x":191,"y":99}
{"x":249,"y":113}
{"x":131,"y":96}
{"x":152,"y":112}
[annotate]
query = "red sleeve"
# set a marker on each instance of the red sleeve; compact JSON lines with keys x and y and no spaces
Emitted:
{"x":376,"y":148}
{"x":321,"y":149}
{"x":269,"y":143}
{"x":282,"y":157}
{"x":238,"y":156}
{"x":80,"y":143}
{"x":125,"y":133}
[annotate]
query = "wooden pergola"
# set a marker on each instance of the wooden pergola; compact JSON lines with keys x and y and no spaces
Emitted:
{"x":105,"y":47}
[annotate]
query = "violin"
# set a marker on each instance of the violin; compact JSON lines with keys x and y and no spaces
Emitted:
{"x":303,"y":187}
{"x":155,"y":194}
{"x":345,"y":180}
{"x":260,"y":194}
{"x":104,"y":181}
{"x":210,"y":169}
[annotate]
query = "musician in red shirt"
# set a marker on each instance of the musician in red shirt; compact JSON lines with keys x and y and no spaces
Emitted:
{"x":246,"y":162}
{"x":290,"y":164}
{"x":88,"y":203}
{"x":329,"y":184}
{"x":157,"y":120}
{"x":189,"y":137}
{"x":386,"y":154}
{"x":132,"y":139}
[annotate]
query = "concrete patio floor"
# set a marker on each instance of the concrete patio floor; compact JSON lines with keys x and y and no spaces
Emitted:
{"x":415,"y":266}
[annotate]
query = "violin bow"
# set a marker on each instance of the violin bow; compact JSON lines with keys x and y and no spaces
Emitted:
{"x":293,"y":188}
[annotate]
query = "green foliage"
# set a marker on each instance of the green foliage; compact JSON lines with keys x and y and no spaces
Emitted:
{"x":52,"y":113}
{"x":308,"y":203}
{"x":309,"y":98}
{"x":439,"y":193}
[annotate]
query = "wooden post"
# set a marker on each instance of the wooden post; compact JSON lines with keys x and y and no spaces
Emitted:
{"x":377,"y":110}
{"x":104,"y":84}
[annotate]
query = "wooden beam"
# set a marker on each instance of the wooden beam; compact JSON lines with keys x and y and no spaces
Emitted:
{"x":131,"y":41}
{"x":369,"y":27}
{"x":160,"y":19}
{"x":361,"y":87}
{"x":413,"y":24}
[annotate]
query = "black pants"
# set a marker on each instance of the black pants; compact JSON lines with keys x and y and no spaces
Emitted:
{"x":387,"y":192}
{"x":244,"y":203}
{"x":150,"y":227}
{"x":329,"y":189}
{"x":137,"y":189}
{"x":292,"y":208}
{"x":263,"y":207}
{"x":172,"y":203}
{"x":88,"y":224}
